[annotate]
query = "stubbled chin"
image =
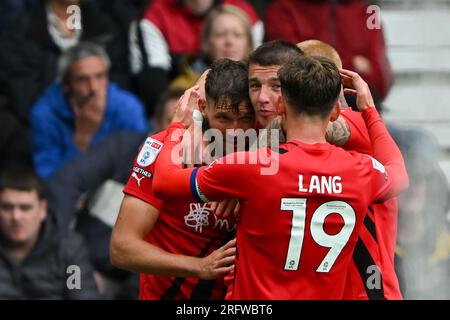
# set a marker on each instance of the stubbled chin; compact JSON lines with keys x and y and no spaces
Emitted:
{"x":264,"y":121}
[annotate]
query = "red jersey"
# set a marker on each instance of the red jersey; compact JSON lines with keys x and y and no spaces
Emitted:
{"x":181,"y":28}
{"x":377,"y":241}
{"x":183,"y":227}
{"x":297,"y":228}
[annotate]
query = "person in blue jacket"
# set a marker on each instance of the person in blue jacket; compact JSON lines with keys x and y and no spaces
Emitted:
{"x":80,"y":109}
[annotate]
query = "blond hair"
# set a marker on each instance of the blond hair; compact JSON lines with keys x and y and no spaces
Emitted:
{"x":321,"y":49}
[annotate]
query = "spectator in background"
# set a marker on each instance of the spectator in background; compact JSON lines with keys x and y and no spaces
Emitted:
{"x":34,"y":253}
{"x":168,"y":30}
{"x":165,"y":108}
{"x":32,"y":44}
{"x":423,"y":250}
{"x":99,"y":176}
{"x":227,"y":34}
{"x":81,"y":109}
{"x":343,"y":25}
{"x":12,"y":9}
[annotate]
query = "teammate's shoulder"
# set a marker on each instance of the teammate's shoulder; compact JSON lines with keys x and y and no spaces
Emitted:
{"x":150,"y":149}
{"x":368,"y":162}
{"x":349,"y":113}
{"x":158,"y":136}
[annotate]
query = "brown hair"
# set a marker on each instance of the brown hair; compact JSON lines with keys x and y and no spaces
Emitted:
{"x":310,"y":85}
{"x":21,"y":179}
{"x":275,"y":52}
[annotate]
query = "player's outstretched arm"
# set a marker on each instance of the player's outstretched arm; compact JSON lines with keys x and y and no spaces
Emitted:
{"x":130,"y":251}
{"x":385,"y":149}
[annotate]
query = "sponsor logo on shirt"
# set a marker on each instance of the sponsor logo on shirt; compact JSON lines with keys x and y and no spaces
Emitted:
{"x":149,"y":152}
{"x":134,"y":175}
{"x":142,"y":171}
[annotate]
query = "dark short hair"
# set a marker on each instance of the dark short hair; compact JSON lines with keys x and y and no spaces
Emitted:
{"x":170,"y":94}
{"x":21,"y":179}
{"x":227,"y":81}
{"x":276,"y":52}
{"x":310,"y":85}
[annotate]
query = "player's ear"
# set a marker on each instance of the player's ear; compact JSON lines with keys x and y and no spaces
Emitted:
{"x":281,"y":107}
{"x":336,"y":111}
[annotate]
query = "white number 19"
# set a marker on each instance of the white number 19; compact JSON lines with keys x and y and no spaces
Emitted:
{"x":335,"y":242}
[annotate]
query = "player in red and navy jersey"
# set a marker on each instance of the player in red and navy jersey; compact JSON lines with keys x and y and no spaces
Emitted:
{"x":181,"y":247}
{"x":375,"y":250}
{"x":376,"y":245}
{"x":297,"y":228}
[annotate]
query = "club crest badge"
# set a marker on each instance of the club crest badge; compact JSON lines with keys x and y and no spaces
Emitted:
{"x":149,"y":152}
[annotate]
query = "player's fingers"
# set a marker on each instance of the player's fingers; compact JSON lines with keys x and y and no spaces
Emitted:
{"x":347,"y":72}
{"x":237,"y":209}
{"x":357,"y":82}
{"x":229,"y":244}
{"x":221,"y":207}
{"x":192,"y":100}
{"x":225,"y":261}
{"x":213,"y":206}
{"x":351,"y":92}
{"x":229,"y":253}
{"x":230,"y":207}
{"x":224,"y":270}
{"x":347,"y":81}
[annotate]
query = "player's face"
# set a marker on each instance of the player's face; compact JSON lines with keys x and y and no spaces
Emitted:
{"x":264,"y":91}
{"x":223,"y":117}
{"x":88,"y":77}
{"x":21,"y":215}
{"x":228,"y":38}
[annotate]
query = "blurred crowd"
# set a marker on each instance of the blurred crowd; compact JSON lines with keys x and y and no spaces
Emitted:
{"x":82,"y":84}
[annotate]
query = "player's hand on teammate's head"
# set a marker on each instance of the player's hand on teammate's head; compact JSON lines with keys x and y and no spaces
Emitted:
{"x":219,"y":263}
{"x":357,"y":87}
{"x":186,"y":106}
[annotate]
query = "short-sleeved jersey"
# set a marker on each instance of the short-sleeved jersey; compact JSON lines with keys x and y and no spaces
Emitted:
{"x":182,"y":228}
{"x":297,"y":228}
{"x":377,"y":242}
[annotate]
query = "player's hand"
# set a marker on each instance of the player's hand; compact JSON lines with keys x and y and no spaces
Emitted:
{"x":357,"y":87}
{"x":226,"y":207}
{"x":186,"y":106}
{"x":219,"y":263}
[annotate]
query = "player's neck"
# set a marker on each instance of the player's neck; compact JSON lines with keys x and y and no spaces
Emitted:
{"x":308,"y":130}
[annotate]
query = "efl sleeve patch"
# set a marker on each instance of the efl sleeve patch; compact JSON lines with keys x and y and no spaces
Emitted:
{"x":149,"y":152}
{"x":378,"y":166}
